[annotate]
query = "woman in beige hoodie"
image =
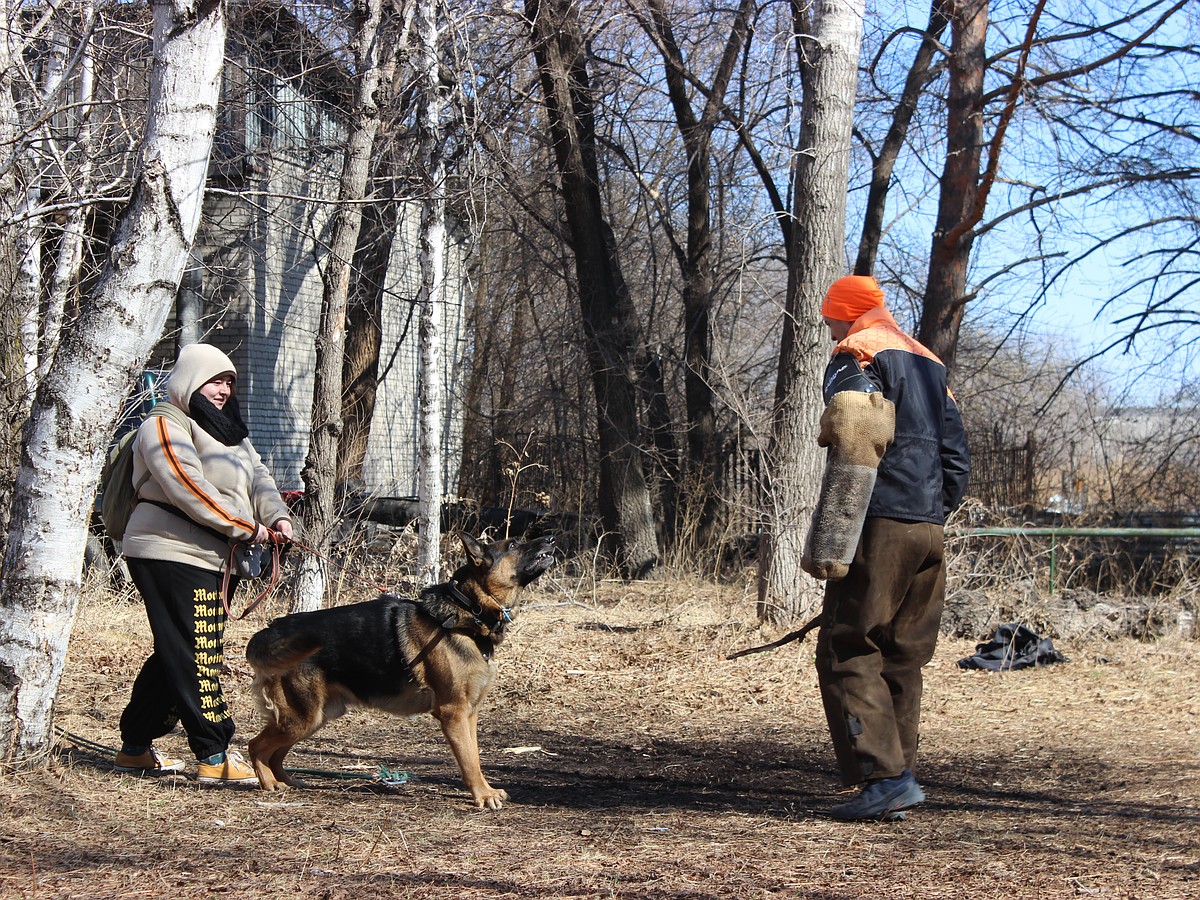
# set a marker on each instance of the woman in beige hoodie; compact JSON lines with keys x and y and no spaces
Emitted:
{"x":206,"y":487}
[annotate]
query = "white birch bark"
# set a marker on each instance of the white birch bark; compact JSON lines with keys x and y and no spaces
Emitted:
{"x":77,"y":404}
{"x":431,"y":390}
{"x":829,"y":39}
{"x":39,"y":153}
{"x":12,"y":358}
{"x":189,"y":303}
{"x":27,"y":290}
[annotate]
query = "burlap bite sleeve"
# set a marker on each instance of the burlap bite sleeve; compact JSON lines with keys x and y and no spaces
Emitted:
{"x":856,"y":427}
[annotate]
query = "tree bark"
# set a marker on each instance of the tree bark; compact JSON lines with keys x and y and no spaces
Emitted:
{"x":696,"y":261}
{"x":189,"y":304}
{"x":364,"y":336}
{"x":607,"y":308}
{"x":369,"y":284}
{"x":431,"y":104}
{"x":829,"y":33}
{"x":320,"y":466}
{"x":884,"y":162}
{"x":14,"y":398}
{"x":946,"y":287}
{"x":99,"y":357}
{"x":64,"y":281}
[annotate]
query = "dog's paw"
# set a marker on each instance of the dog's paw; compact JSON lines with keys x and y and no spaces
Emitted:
{"x":268,"y":781}
{"x":491,"y":799}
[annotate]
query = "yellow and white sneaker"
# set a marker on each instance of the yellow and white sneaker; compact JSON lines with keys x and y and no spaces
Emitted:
{"x":233,"y":771}
{"x":149,"y":763}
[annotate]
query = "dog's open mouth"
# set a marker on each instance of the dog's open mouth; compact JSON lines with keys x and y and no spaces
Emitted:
{"x":548,"y":553}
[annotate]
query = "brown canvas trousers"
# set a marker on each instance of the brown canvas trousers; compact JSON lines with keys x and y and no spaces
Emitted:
{"x":879,"y":626}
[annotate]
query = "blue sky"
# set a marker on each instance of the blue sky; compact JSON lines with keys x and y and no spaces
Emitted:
{"x":1056,"y":143}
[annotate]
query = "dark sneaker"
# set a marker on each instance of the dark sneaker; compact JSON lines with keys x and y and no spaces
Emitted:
{"x":885,"y":799}
{"x":149,"y":763}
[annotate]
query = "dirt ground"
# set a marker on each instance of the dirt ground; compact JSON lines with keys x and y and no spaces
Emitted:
{"x":641,"y":764}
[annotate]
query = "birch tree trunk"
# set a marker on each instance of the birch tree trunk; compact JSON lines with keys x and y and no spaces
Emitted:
{"x":320,"y":466}
{"x":108,"y":345}
{"x":33,"y":148}
{"x":431,"y":104}
{"x":828,"y":35}
{"x":27,"y":290}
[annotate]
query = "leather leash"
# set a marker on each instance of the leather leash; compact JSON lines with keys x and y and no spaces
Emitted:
{"x":367,"y":581}
{"x":277,"y":543}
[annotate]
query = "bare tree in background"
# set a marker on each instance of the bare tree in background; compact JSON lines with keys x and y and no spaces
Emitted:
{"x":1088,"y":109}
{"x":963,"y":192}
{"x":883,"y":159}
{"x":529,"y":343}
{"x":696,"y":259}
{"x":54,"y":212}
{"x":98,"y":357}
{"x":369,"y":289}
{"x":608,"y":316}
{"x":18,"y":355}
{"x":373,"y":61}
{"x":76,"y":185}
{"x":14,"y":385}
{"x":827,"y":34}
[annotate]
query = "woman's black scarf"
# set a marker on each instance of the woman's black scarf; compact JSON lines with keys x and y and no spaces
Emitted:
{"x":225,"y":424}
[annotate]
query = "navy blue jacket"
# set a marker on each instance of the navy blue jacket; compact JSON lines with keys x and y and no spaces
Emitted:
{"x":923,"y":474}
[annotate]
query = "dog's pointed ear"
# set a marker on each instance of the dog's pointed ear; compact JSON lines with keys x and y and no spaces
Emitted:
{"x":477,"y":553}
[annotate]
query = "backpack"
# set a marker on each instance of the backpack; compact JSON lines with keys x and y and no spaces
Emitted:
{"x":118,"y":493}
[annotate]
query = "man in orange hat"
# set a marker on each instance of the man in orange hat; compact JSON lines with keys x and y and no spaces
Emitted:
{"x":897,"y":464}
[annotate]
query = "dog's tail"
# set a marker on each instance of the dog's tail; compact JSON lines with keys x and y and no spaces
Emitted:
{"x":274,"y":651}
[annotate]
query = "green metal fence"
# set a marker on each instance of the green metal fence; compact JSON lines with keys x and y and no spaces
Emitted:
{"x":1055,"y":532}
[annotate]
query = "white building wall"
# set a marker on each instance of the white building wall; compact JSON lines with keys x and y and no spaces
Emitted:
{"x":390,"y":468}
{"x":292,"y":219}
{"x":265,"y":247}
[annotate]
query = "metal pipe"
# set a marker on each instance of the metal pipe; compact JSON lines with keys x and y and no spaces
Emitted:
{"x":1054,"y":532}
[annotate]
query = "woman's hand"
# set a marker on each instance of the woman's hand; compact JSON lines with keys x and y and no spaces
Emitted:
{"x":280,"y":533}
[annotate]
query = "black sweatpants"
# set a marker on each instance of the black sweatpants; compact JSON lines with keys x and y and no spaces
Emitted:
{"x":180,"y":682}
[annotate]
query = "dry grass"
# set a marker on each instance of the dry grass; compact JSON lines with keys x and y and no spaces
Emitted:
{"x":661,"y":770}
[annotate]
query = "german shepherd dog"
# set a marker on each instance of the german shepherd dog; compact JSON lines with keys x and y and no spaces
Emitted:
{"x":400,"y":655}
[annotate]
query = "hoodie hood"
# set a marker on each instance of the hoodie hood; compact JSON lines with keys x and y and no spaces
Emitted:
{"x":197,"y":364}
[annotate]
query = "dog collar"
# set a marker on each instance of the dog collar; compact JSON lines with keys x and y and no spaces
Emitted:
{"x":461,"y":600}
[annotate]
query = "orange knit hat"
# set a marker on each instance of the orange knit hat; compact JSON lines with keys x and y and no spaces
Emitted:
{"x":850,"y":297}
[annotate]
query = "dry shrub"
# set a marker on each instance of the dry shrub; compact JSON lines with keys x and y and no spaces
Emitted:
{"x":1067,"y":586}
